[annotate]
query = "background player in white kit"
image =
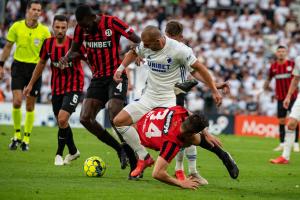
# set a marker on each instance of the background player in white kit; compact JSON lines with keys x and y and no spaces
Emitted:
{"x":164,"y":57}
{"x":294,"y":117}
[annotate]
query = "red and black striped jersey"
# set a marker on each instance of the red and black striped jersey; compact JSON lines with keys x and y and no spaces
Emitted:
{"x":159,"y":130}
{"x":283,"y":75}
{"x":70,"y":79}
{"x":103,"y":46}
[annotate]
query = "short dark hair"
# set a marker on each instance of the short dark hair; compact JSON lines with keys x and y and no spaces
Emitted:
{"x":83,"y":11}
{"x":33,"y":2}
{"x":281,"y":47}
{"x":195,"y":123}
{"x":60,"y":18}
{"x":174,"y":28}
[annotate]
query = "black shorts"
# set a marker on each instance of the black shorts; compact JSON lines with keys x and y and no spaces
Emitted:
{"x":281,"y":111}
{"x":20,"y":76}
{"x":67,"y":102}
{"x":105,"y":89}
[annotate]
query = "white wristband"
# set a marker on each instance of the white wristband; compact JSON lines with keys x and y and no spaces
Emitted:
{"x":121,"y":68}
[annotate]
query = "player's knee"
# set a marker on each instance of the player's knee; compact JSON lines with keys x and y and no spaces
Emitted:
{"x":62,"y":122}
{"x":292,"y":124}
{"x":117,"y":120}
{"x":122,"y":119}
{"x":17,"y":103}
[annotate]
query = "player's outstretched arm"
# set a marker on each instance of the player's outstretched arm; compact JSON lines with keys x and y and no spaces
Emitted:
{"x":134,"y":38}
{"x":224,"y":86}
{"x":35,"y":76}
{"x":160,"y":173}
{"x":199,"y":67}
{"x":129,"y":58}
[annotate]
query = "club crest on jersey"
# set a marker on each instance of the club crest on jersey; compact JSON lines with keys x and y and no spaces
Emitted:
{"x":108,"y":32}
{"x":169,"y":60}
{"x":36,"y":41}
{"x":289,"y":68}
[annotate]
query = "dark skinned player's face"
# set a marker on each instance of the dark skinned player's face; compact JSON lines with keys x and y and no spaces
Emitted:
{"x":88,"y":24}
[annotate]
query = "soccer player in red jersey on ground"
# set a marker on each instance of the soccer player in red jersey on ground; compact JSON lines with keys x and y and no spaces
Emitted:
{"x":101,"y":34}
{"x":66,"y":85}
{"x":281,"y":70}
{"x":169,"y":129}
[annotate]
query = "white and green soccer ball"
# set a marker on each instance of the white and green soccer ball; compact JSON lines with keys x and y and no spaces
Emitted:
{"x":94,"y":166}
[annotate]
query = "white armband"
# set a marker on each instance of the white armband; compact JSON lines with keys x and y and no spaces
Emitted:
{"x":121,"y":68}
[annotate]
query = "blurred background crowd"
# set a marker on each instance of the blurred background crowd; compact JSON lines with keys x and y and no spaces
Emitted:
{"x":235,"y":39}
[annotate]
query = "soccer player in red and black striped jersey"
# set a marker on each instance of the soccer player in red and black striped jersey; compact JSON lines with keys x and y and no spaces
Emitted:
{"x":169,"y":129}
{"x":101,"y":34}
{"x":282,"y":70}
{"x":66,"y":85}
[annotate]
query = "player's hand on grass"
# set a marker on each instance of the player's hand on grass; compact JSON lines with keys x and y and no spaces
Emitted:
{"x":1,"y":72}
{"x":286,"y":102}
{"x":190,"y":183}
{"x":27,"y":90}
{"x":217,"y":98}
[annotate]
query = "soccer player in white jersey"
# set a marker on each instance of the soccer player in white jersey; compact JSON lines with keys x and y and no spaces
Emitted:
{"x":294,"y":117}
{"x":174,"y":30}
{"x":164,"y":57}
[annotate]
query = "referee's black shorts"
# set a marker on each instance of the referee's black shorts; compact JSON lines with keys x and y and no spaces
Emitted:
{"x":20,"y":76}
{"x":281,"y":111}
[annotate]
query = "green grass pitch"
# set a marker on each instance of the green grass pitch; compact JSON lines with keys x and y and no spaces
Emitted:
{"x":32,"y":175}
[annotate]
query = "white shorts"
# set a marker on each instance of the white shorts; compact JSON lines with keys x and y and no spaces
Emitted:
{"x":138,"y":108}
{"x":295,"y":112}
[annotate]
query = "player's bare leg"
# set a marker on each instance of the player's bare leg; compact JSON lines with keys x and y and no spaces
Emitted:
{"x":89,"y":111}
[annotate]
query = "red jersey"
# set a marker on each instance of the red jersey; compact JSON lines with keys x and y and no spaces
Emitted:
{"x":159,"y":130}
{"x":103,"y":46}
{"x":70,"y":79}
{"x":283,"y":75}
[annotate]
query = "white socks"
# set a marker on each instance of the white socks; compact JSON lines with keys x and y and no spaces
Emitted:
{"x":191,"y":154}
{"x":179,"y":160}
{"x":288,"y":143}
{"x":132,"y":138}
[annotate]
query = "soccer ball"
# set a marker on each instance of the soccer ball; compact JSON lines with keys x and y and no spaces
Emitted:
{"x":94,"y":166}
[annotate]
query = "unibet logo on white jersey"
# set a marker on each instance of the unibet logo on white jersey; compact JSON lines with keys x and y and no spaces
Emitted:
{"x":165,"y":67}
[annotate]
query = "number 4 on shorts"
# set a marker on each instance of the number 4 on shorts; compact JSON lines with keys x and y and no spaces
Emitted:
{"x":119,"y":87}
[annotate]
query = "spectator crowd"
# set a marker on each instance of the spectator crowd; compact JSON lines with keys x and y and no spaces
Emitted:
{"x":235,"y":39}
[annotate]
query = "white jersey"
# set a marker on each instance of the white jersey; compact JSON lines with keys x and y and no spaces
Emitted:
{"x":166,"y":67}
